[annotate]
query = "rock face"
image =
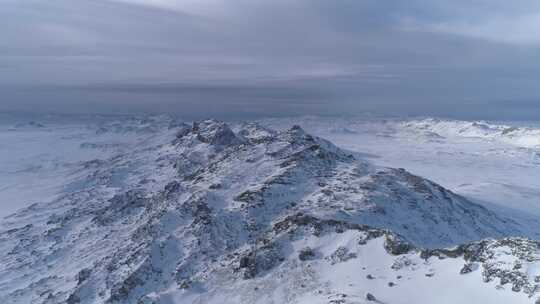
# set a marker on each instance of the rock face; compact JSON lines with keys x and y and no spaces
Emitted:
{"x":202,"y":216}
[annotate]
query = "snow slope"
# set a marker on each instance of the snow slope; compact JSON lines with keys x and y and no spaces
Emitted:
{"x":207,"y":213}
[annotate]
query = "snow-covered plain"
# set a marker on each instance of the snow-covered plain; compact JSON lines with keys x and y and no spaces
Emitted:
{"x":40,"y":158}
{"x":152,"y":210}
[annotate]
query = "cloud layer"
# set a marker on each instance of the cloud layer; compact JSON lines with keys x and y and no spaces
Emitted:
{"x":241,"y":57}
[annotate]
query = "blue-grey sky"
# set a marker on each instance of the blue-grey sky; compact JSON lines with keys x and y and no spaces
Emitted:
{"x":458,"y":58}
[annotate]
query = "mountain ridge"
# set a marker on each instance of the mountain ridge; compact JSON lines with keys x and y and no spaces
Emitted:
{"x":211,"y":204}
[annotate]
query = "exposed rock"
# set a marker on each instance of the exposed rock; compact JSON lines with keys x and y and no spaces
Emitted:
{"x":83,"y":275}
{"x":73,"y":299}
{"x":183,"y":129}
{"x":341,"y":254}
{"x":467,"y":268}
{"x":306,"y":254}
{"x":258,"y":260}
{"x":401,"y":262}
{"x":396,"y":245}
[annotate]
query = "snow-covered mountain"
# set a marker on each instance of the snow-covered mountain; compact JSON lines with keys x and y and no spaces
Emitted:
{"x":208,"y":213}
{"x":519,"y":136}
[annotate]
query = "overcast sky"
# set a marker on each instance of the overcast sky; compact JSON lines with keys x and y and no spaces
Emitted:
{"x":456,"y":58}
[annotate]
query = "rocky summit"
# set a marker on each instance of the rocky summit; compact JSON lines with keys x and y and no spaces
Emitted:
{"x":215,"y":213}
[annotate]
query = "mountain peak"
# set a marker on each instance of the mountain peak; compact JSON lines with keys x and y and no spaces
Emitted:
{"x":215,"y":133}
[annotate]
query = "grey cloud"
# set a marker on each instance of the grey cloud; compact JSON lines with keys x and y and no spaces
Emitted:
{"x":316,"y":56}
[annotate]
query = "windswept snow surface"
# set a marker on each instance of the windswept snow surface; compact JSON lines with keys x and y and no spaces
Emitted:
{"x":42,"y":158}
{"x":155,"y":210}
